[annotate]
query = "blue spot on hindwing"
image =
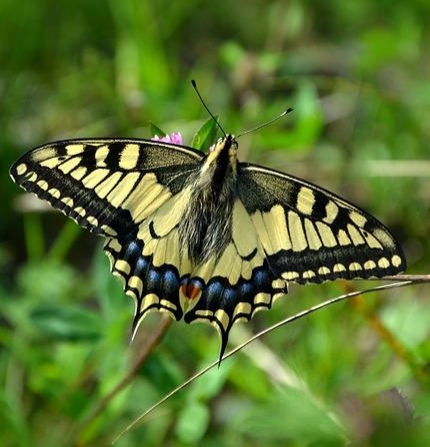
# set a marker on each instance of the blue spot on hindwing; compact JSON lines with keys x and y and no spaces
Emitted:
{"x":213,"y":290}
{"x":152,"y":279}
{"x":245,"y":290}
{"x":261,"y":279}
{"x":141,"y":265}
{"x":229,"y":294}
{"x":170,"y":281}
{"x":133,"y":249}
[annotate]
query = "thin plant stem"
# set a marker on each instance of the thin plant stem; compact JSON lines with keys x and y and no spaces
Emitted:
{"x":401,"y":281}
{"x":147,"y":348}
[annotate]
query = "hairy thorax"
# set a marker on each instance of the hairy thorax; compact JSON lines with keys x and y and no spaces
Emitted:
{"x":207,"y":225}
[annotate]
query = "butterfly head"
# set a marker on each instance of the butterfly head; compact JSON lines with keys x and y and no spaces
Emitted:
{"x":218,"y":169}
{"x":223,"y":152}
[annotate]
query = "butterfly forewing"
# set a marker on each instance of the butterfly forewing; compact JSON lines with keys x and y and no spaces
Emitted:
{"x":310,"y":234}
{"x":104,"y":184}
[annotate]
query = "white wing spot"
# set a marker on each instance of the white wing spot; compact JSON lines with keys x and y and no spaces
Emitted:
{"x":262,"y":298}
{"x":326,"y":234}
{"x":168,"y":304}
{"x":75,"y":149}
{"x":384,"y":238}
{"x":45,"y":155}
{"x":309,"y":274}
{"x":358,"y":218}
{"x":54,"y":192}
{"x":297,"y":234}
{"x":222,"y":316}
{"x":272,"y":229}
{"x":337,"y":268}
{"x":21,"y":169}
{"x":118,"y":195}
{"x":106,"y":186}
{"x":343,"y":238}
{"x":114,"y":245}
{"x":68,"y":201}
{"x":136,"y":282}
{"x":279,"y":284}
{"x":95,"y":177}
{"x":305,"y":201}
{"x":129,"y":157}
{"x":80,"y":211}
{"x":122,"y":266}
{"x":355,"y":267}
{"x":290,"y":276}
{"x":42,"y":184}
{"x":69,"y":165}
{"x":242,"y":308}
{"x":79,"y":173}
{"x":314,"y":240}
{"x":32,"y":177}
{"x":355,"y":235}
{"x":371,"y":241}
{"x":369,"y":265}
{"x":323,"y":271}
{"x":383,"y":263}
{"x":110,"y":231}
{"x":331,"y":210}
{"x":149,"y":299}
{"x":101,"y":153}
{"x":396,"y":260}
{"x":93,"y":221}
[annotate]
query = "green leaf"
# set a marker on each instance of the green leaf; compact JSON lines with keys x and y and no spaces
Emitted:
{"x":155,"y":131}
{"x":206,"y":135}
{"x":71,"y":323}
{"x":210,"y":384}
{"x":192,"y":423}
{"x":44,"y":280}
{"x":296,"y":418}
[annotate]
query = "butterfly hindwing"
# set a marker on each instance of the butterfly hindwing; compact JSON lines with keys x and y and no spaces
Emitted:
{"x":233,"y":286}
{"x":152,"y":262}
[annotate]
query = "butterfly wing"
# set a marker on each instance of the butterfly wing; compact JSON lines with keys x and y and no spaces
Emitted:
{"x":283,"y":230}
{"x":123,"y":190}
{"x":311,"y":235}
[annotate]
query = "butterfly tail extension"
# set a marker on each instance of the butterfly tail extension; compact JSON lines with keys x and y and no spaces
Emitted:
{"x":224,"y":301}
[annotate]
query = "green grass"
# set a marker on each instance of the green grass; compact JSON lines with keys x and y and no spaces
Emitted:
{"x":356,"y":74}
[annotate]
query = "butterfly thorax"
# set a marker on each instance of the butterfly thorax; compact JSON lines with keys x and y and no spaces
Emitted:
{"x":207,"y":226}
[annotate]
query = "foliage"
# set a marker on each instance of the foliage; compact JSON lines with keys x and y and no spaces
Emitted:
{"x":356,"y":74}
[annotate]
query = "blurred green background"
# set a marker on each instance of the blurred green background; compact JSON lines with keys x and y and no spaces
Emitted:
{"x":357,"y":75}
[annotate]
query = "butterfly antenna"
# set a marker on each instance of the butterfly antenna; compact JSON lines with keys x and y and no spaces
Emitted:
{"x":194,"y":84}
{"x":260,"y":126}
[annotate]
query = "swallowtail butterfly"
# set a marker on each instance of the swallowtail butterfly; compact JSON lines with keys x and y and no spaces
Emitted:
{"x":204,"y":236}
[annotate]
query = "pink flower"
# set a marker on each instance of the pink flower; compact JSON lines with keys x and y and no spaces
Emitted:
{"x":174,"y":137}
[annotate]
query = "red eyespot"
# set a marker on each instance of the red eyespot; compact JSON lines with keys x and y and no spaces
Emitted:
{"x":191,"y":290}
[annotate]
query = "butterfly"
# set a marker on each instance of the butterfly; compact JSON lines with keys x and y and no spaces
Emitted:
{"x":205,"y":237}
